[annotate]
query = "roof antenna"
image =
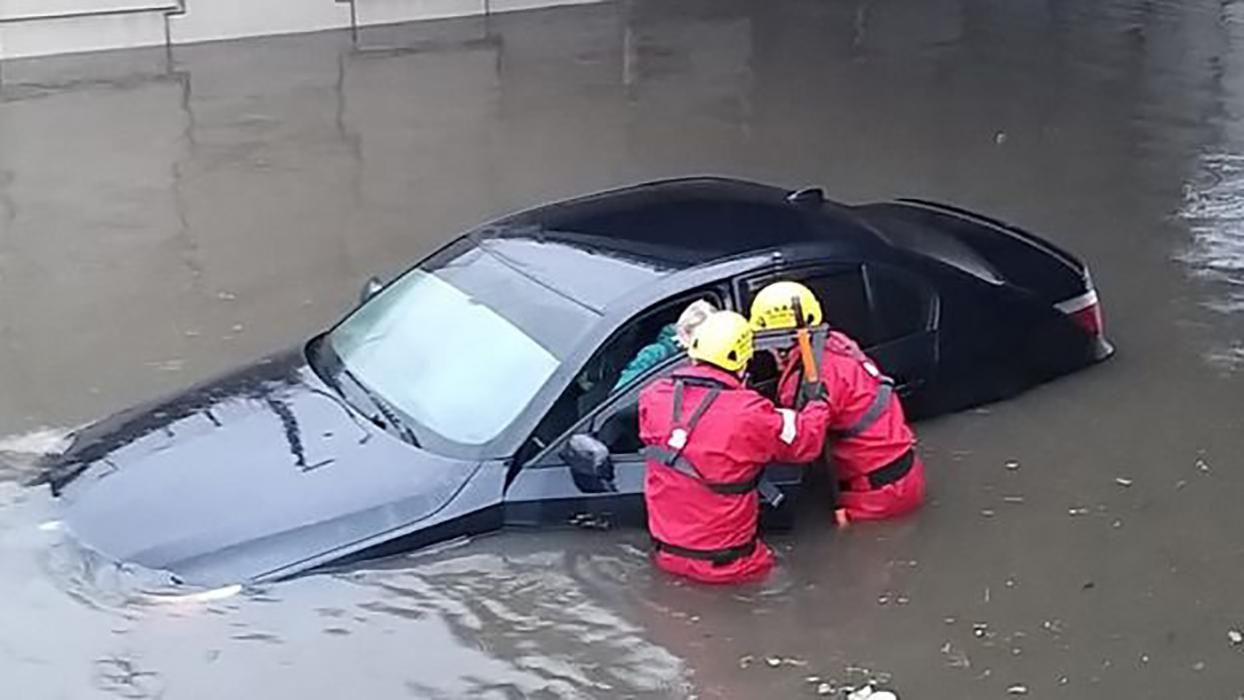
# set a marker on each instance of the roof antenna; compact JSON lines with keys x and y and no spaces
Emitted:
{"x":806,"y":196}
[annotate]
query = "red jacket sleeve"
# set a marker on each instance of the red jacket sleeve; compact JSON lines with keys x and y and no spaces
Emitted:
{"x":769,"y":432}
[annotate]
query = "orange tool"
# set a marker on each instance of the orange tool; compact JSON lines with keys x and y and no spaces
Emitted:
{"x":810,"y":376}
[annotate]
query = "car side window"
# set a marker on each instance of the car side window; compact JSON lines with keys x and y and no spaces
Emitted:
{"x":902,"y":305}
{"x":843,"y":296}
{"x":628,"y":358}
{"x":617,"y":426}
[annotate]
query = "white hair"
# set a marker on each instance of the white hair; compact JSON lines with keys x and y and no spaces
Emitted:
{"x":691,"y":319}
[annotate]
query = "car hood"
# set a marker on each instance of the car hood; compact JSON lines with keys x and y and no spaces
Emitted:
{"x":255,"y":475}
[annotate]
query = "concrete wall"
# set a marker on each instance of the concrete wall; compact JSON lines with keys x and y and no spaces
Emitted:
{"x":43,"y":27}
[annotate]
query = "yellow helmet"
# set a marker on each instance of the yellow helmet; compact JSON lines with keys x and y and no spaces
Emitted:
{"x":773,"y":309}
{"x":724,"y":339}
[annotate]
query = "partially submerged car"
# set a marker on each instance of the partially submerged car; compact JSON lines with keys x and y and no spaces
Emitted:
{"x":457,"y":397}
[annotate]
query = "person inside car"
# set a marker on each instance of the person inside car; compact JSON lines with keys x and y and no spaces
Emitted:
{"x":870,"y":445}
{"x":672,"y":339}
{"x":707,"y":441}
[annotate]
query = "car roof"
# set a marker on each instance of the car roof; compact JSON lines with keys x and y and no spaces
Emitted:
{"x":603,"y":246}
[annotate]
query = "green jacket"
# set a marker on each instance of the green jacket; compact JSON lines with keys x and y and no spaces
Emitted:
{"x":664,"y":347}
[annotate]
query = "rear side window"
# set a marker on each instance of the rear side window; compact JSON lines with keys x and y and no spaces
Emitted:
{"x":903,"y":305}
{"x":843,"y":296}
{"x":844,"y":301}
{"x":874,"y":304}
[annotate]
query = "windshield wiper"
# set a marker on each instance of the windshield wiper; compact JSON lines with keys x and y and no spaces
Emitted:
{"x":388,"y":419}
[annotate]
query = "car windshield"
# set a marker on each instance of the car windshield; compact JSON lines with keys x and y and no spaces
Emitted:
{"x":460,"y":348}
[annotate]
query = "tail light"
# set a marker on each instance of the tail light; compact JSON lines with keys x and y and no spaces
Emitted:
{"x":1085,"y":311}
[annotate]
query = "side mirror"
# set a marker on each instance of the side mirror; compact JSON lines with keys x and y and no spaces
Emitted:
{"x":590,"y":464}
{"x":370,"y":289}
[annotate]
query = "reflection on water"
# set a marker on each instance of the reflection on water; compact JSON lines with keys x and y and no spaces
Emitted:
{"x":541,"y":613}
{"x":1215,"y":215}
{"x":1214,"y":212}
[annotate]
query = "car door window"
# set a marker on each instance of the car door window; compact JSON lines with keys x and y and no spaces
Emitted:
{"x":902,"y":305}
{"x":617,"y":424}
{"x":599,"y":378}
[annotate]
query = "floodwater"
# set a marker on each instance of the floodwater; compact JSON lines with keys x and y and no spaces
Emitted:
{"x":166,"y":216}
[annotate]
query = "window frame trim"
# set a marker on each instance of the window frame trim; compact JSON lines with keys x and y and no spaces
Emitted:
{"x":541,"y":459}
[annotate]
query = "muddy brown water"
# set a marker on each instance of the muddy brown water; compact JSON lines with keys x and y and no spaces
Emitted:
{"x":166,"y":216}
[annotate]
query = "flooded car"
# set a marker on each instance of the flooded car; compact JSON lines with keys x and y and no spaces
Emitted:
{"x":467,"y":394}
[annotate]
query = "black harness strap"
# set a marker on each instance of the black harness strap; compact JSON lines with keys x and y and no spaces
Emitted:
{"x":671,"y":455}
{"x":682,"y":465}
{"x":718,"y":557}
{"x":890,"y":473}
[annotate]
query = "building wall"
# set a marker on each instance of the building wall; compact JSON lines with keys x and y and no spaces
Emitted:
{"x":44,"y":27}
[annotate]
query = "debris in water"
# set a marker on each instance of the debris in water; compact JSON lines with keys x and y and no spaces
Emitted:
{"x":950,"y":620}
{"x":1116,"y":524}
{"x":1179,"y":485}
{"x":1013,"y":499}
{"x":999,"y":138}
{"x":987,"y":594}
{"x":955,"y":658}
{"x":1236,"y":637}
{"x":1198,"y":666}
{"x":1063,"y":680}
{"x":1010,"y":583}
{"x":746,"y":661}
{"x":773,"y":661}
{"x":824,"y":689}
{"x":1017,"y":689}
{"x":1012,"y":465}
{"x":1202,"y":466}
{"x":987,"y":512}
{"x":1123,"y":481}
{"x":226,"y":296}
{"x":1078,"y":510}
{"x":861,"y":694}
{"x":883,"y":599}
{"x":192,"y":334}
{"x":1088,"y":586}
{"x":237,"y":328}
{"x":902,"y":600}
{"x":1144,"y":659}
{"x":883,"y":695}
{"x":811,"y":679}
{"x":980,"y":629}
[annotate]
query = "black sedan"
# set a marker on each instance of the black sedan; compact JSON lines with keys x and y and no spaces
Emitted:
{"x":454,"y":400}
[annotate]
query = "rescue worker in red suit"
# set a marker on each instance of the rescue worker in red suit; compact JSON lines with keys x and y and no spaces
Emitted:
{"x":707,"y":440}
{"x":870,"y":445}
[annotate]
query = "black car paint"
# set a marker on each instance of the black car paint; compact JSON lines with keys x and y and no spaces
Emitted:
{"x":186,"y":485}
{"x":268,"y":472}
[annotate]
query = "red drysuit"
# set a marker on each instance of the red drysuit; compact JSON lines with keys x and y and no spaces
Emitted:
{"x":704,"y":458}
{"x":870,"y":443}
